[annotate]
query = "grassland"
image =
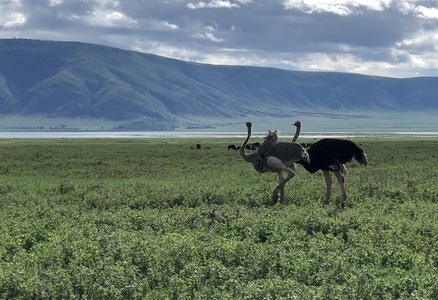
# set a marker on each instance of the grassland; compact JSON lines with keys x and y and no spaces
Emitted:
{"x":155,"y":219}
{"x":321,"y":121}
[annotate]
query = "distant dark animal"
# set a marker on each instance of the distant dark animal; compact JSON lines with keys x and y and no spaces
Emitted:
{"x":198,"y":146}
{"x":232,"y":147}
{"x":306,"y":145}
{"x":255,"y":146}
{"x":252,"y":146}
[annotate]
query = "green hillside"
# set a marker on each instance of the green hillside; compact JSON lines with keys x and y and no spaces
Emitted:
{"x":137,"y":91}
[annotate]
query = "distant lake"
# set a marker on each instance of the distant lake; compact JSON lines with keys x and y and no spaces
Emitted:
{"x":194,"y":134}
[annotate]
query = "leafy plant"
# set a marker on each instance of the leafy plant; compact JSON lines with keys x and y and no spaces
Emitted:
{"x":141,"y":219}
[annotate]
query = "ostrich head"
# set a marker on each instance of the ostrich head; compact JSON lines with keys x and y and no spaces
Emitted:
{"x":364,"y":159}
{"x":297,"y":124}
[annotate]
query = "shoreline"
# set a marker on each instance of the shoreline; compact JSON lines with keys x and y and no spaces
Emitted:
{"x":185,"y":134}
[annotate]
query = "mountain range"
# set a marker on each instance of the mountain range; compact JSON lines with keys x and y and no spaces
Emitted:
{"x":128,"y":90}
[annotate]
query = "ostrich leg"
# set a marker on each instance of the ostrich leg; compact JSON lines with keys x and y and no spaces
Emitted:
{"x":328,"y":182}
{"x":277,"y":164}
{"x":280,"y":180}
{"x":340,"y":178}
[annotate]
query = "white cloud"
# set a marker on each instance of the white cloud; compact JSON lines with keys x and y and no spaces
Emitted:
{"x":105,"y":3}
{"x":11,"y":14}
{"x":235,"y":28}
{"x":338,"y":7}
{"x":10,"y":4}
{"x":55,"y":2}
{"x":324,"y":62}
{"x":182,"y":53}
{"x":206,"y":36}
{"x":110,"y":18}
{"x":169,"y":25}
{"x":410,"y":7}
{"x":70,"y":17}
{"x":12,"y":19}
{"x":385,"y":37}
{"x":213,"y":4}
{"x":427,"y":12}
{"x":225,"y":59}
{"x":420,"y":41}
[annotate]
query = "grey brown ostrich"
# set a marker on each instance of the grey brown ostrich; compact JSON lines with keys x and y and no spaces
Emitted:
{"x":330,"y":155}
{"x":275,"y":156}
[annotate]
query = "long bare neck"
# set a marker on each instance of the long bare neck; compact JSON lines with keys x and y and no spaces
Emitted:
{"x":297,"y":132}
{"x":246,"y":157}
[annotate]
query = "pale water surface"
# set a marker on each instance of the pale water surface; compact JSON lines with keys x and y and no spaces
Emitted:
{"x":193,"y":134}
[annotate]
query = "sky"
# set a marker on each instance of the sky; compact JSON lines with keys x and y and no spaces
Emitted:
{"x":394,"y":38}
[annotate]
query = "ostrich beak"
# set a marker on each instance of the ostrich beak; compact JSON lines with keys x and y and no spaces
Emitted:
{"x":306,"y":157}
{"x":364,"y":160}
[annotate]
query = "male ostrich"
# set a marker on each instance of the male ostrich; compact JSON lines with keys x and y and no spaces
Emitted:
{"x":331,"y":154}
{"x":274,"y":156}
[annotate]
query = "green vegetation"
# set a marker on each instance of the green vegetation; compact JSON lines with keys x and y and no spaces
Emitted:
{"x":43,"y":123}
{"x":155,"y":219}
{"x":319,"y":122}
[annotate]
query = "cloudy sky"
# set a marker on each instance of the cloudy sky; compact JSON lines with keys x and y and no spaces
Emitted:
{"x":396,"y":38}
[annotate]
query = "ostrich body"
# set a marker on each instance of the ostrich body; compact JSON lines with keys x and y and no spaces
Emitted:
{"x":274,"y":156}
{"x":331,"y":154}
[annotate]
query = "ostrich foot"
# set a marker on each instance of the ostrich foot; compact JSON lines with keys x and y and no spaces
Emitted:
{"x":341,"y":202}
{"x":276,"y":195}
{"x":274,"y":198}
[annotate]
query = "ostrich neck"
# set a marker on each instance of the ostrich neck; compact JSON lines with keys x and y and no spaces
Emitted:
{"x":246,"y":157}
{"x":308,"y":166}
{"x":297,"y":133}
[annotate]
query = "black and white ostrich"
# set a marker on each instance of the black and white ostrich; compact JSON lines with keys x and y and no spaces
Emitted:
{"x":330,"y":154}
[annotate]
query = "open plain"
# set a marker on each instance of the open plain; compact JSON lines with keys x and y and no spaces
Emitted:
{"x":160,"y":219}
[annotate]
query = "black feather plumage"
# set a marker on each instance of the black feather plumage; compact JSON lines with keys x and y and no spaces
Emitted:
{"x":331,"y":151}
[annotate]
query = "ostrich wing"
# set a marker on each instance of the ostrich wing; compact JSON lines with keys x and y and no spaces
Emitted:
{"x":269,"y":142}
{"x":289,"y":152}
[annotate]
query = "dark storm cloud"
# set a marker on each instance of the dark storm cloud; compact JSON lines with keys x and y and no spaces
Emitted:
{"x":382,"y":37}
